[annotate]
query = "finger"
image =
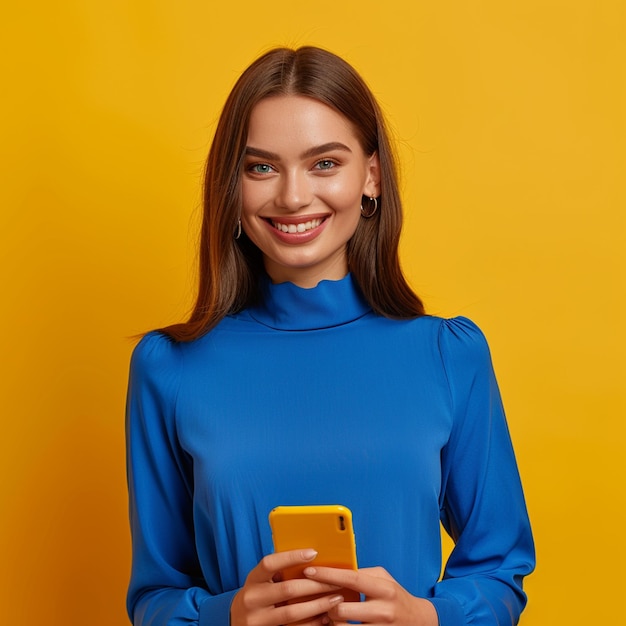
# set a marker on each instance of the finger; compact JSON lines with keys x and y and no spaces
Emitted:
{"x":351,"y":612}
{"x":378,"y":572}
{"x":357,"y":580}
{"x":294,"y":589}
{"x":318,"y":620}
{"x":272,"y":564}
{"x":333,"y":576}
{"x":269,"y":595}
{"x":299,"y":611}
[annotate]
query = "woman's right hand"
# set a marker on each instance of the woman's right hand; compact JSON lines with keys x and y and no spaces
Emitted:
{"x":266,"y":600}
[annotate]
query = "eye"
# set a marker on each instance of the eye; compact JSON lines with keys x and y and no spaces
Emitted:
{"x":325,"y":164}
{"x":261,"y":168}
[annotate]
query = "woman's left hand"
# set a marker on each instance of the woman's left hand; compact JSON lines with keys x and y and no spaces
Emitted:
{"x":386,"y":601}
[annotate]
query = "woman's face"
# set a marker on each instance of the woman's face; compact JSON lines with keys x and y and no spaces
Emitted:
{"x":303,"y":180}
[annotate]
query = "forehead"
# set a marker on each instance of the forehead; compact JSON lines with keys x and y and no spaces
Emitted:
{"x":297,"y":120}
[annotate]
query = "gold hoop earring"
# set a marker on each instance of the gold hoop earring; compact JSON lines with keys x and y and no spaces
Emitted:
{"x":238,"y":233}
{"x":371,"y":211}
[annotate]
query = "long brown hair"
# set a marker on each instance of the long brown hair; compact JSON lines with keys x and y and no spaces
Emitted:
{"x":229,"y":267}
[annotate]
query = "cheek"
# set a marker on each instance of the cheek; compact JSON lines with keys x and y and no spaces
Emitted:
{"x":343,"y":195}
{"x":246,"y":195}
{"x":252,"y":198}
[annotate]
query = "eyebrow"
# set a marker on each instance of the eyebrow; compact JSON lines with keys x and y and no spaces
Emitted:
{"x":311,"y":152}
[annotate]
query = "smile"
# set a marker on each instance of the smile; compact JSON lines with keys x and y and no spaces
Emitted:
{"x":301,"y":227}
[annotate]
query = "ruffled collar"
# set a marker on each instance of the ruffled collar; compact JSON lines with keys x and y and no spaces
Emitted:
{"x":331,"y":303}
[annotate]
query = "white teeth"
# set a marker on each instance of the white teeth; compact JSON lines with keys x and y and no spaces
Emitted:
{"x":297,"y":228}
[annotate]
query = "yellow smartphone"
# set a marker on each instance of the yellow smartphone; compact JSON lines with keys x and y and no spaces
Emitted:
{"x":326,"y":528}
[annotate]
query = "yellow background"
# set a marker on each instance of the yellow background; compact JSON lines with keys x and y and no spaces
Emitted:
{"x":510,"y":119}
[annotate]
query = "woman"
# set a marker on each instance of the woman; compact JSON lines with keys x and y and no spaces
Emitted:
{"x":309,"y":374}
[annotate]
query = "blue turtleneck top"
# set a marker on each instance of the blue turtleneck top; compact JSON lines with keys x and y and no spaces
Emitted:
{"x":312,"y":398}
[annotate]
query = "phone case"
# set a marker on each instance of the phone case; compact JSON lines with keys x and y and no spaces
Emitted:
{"x":325,"y":528}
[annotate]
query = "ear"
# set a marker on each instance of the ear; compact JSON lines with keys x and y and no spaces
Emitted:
{"x":372,"y":182}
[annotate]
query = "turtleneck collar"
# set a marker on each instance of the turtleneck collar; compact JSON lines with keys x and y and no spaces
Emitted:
{"x":331,"y":303}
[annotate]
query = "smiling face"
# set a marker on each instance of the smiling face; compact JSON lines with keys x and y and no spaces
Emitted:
{"x":303,"y":179}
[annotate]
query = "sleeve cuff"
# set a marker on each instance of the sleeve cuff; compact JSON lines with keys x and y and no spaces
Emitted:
{"x":449,"y":611}
{"x":215,"y":610}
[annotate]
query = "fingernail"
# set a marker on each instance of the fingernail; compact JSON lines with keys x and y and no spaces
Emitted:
{"x":325,"y":619}
{"x":336,"y":600}
{"x":308,"y":555}
{"x":309,"y":571}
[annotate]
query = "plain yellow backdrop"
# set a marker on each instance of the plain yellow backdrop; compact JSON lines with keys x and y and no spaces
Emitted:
{"x":511,"y":126}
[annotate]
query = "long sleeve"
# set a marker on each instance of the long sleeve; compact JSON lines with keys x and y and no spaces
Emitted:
{"x":167,"y":586}
{"x":482,"y":506}
{"x":416,"y":421}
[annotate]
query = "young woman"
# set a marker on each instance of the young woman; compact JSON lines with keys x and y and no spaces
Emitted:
{"x":308,"y":373}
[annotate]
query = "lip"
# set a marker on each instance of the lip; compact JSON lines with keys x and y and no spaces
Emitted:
{"x":297,"y":238}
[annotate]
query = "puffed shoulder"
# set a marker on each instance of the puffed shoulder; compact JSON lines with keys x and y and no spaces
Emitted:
{"x":153,"y":347}
{"x":464,"y":351}
{"x":461,"y":335}
{"x":154,"y":357}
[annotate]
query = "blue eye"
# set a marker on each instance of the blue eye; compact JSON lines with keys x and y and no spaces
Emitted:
{"x":325,"y":164}
{"x":261,"y":168}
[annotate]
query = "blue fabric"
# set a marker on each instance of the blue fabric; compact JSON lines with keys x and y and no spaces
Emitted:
{"x":311,"y":398}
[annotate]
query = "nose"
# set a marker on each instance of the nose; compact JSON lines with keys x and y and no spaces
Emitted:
{"x":294,"y":192}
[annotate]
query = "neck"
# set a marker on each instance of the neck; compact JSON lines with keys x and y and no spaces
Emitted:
{"x":307,"y":277}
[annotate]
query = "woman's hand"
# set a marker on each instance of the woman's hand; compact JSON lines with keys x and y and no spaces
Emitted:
{"x":266,"y":600}
{"x":386,"y":601}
